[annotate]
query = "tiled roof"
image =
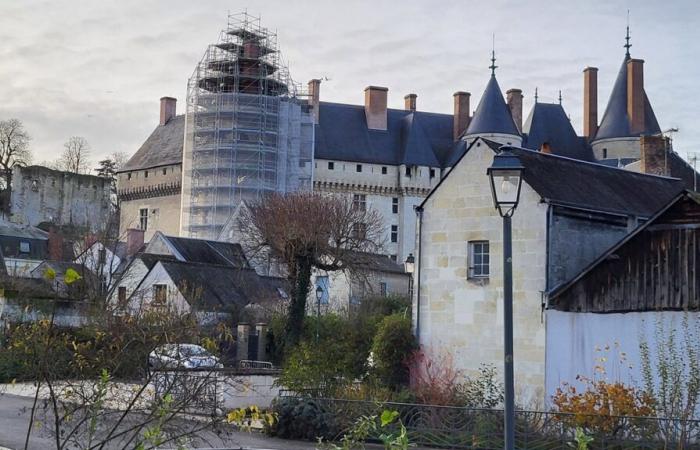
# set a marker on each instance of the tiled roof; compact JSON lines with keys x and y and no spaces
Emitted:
{"x":615,"y":122}
{"x":162,"y":148}
{"x":548,"y":123}
{"x":209,"y":252}
{"x":492,"y":115}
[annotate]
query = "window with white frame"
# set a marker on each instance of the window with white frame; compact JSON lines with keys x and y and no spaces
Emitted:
{"x":394,"y":233}
{"x":478,"y":259}
{"x":395,"y":205}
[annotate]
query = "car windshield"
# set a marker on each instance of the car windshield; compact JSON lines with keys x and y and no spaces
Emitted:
{"x":192,"y":350}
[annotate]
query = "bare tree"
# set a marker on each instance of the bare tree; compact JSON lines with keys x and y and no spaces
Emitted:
{"x":14,"y":151}
{"x":307,"y":230}
{"x":120,"y":159}
{"x":75,"y":155}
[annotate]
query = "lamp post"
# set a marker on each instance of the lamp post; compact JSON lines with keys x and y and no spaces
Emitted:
{"x":410,"y":266}
{"x":319,"y":294}
{"x":505,"y":175}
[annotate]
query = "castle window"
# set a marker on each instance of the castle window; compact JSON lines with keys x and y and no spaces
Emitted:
{"x":394,"y":233}
{"x":408,"y":171}
{"x":359,"y":202}
{"x":165,"y":171}
{"x":358,"y":168}
{"x":432,"y":173}
{"x":382,"y":289}
{"x":143,"y":218}
{"x":478,"y":259}
{"x":384,"y":170}
{"x":145,"y":173}
{"x":605,"y":153}
{"x":102,"y":256}
{"x":395,"y":205}
{"x":331,"y":165}
{"x":128,"y":176}
{"x":359,"y":230}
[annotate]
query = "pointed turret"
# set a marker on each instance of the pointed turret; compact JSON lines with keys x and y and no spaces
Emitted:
{"x":628,"y":114}
{"x":492,"y":118}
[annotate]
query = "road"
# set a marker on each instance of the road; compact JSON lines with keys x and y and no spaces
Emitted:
{"x":14,"y":420}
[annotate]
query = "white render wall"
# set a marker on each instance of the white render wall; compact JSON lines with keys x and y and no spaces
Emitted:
{"x":578,"y":342}
{"x":465,"y":317}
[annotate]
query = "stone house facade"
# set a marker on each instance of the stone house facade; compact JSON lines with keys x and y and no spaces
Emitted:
{"x":570,"y":211}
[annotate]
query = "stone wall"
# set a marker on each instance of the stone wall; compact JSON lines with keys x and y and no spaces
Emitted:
{"x":464,"y":316}
{"x":41,"y":194}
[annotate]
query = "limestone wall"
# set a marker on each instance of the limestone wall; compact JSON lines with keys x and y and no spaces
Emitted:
{"x":464,"y":316}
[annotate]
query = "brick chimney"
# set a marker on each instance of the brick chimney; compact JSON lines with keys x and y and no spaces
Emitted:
{"x":167,"y":109}
{"x":375,"y":107}
{"x":314,"y":97}
{"x":410,"y":102}
{"x":590,"y":102}
{"x":55,"y":244}
{"x":546,"y":148}
{"x":635,"y":95}
{"x":461,"y":113}
{"x":134,"y":241}
{"x":654,"y":159}
{"x":515,"y":104}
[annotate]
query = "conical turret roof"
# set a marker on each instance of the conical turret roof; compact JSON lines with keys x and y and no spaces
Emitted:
{"x":492,"y":115}
{"x":616,"y":122}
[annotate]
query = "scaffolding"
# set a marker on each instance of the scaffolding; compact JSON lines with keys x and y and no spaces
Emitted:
{"x":248,"y":128}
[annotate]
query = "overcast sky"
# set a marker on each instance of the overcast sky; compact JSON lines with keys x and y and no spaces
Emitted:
{"x":97,"y":68}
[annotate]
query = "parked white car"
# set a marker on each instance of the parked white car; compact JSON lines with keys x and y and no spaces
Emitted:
{"x":182,"y":356}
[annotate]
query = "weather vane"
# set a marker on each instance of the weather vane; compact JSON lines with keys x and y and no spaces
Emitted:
{"x":493,"y":65}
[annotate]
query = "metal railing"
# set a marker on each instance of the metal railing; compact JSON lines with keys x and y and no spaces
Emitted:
{"x":250,"y":364}
{"x":469,"y":428}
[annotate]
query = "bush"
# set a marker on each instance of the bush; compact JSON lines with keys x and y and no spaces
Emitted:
{"x":391,"y":349}
{"x":300,"y":418}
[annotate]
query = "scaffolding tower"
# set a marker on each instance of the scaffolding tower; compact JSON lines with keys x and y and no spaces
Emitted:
{"x":248,"y":129}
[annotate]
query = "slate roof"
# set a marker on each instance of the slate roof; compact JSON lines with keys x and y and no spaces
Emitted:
{"x":615,"y":121}
{"x":210,"y":287}
{"x":548,"y":123}
{"x":379,"y":263}
{"x":162,"y":148}
{"x":209,"y":252}
{"x":570,"y":182}
{"x":411,"y":137}
{"x":492,"y":115}
{"x":27,"y":232}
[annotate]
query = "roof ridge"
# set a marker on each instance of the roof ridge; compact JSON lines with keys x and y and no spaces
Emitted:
{"x":389,"y":109}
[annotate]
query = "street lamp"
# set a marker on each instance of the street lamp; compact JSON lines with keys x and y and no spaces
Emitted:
{"x":319,"y":294}
{"x":410,"y":266}
{"x":505,"y":175}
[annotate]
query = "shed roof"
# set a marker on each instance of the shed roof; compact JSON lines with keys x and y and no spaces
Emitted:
{"x":208,"y":252}
{"x":19,"y":231}
{"x":162,"y":148}
{"x":492,"y":115}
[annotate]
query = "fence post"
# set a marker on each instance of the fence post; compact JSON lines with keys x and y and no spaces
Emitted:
{"x":242,"y":333}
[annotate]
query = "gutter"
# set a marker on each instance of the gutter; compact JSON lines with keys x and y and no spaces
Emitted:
{"x":416,"y":281}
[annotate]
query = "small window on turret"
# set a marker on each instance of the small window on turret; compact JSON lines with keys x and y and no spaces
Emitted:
{"x":605,"y":153}
{"x":384,"y":170}
{"x":408,"y":171}
{"x":432,"y":173}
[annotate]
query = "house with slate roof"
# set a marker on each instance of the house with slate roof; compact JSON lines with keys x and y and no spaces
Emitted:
{"x":570,"y":212}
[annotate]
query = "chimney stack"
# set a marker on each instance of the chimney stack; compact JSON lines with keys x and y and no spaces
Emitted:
{"x":410,"y":102}
{"x":461,"y":113}
{"x":134,"y":240}
{"x":546,"y":148}
{"x":635,"y":95}
{"x":315,"y":97}
{"x":590,"y":102}
{"x":654,"y":160}
{"x":167,"y":109}
{"x":375,"y":107}
{"x":515,"y":104}
{"x":55,"y":244}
